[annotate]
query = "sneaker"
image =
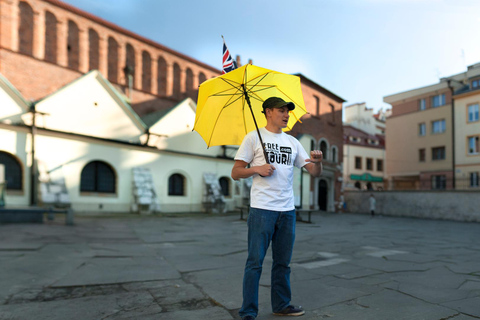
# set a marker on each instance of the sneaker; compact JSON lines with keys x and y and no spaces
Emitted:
{"x":290,"y":311}
{"x":248,"y":318}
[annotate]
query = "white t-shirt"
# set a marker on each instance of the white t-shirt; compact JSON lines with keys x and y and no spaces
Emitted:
{"x":284,"y":151}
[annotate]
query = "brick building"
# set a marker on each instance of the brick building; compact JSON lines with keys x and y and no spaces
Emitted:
{"x":323,"y":126}
{"x":49,"y":37}
{"x":46,"y":45}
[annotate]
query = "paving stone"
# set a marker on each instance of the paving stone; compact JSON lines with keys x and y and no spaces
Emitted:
{"x":119,"y":270}
{"x":386,"y":304}
{"x":191,"y":267}
{"x":469,"y":306}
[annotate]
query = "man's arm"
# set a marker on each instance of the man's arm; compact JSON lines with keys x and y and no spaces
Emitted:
{"x":314,"y":165}
{"x":240,"y":170}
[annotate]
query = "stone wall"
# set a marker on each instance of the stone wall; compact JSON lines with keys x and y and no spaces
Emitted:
{"x":447,"y":205}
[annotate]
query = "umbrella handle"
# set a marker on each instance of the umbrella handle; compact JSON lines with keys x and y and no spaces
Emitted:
{"x":255,"y":121}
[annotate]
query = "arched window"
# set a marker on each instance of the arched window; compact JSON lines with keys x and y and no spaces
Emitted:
{"x":13,"y":171}
{"x":98,"y":176}
{"x":50,"y":37}
{"x":176,"y":80}
{"x":225,"y":186}
{"x":146,"y":71}
{"x":189,"y":82}
{"x":73,"y":45}
{"x":324,"y":149}
{"x":176,"y":185}
{"x":130,"y":61}
{"x":334,"y":154}
{"x":93,"y":50}
{"x":201,"y":78}
{"x":312,"y":145}
{"x":162,"y":76}
{"x":112,"y":60}
{"x":25,"y":28}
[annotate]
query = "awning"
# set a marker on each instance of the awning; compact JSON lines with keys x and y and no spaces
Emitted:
{"x":366,"y":177}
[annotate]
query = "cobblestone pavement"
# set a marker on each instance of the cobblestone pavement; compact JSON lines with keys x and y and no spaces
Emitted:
{"x":191,"y":266}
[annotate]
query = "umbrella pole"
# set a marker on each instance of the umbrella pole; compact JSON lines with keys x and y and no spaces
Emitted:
{"x":255,"y":121}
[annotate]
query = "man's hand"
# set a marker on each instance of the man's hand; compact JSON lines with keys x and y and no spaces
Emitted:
{"x":266,"y":170}
{"x":314,"y":164}
{"x":316,"y":156}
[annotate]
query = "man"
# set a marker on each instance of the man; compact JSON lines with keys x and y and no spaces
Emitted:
{"x":372,"y":204}
{"x":272,"y":209}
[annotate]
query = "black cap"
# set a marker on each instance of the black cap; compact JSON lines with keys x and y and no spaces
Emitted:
{"x":276,"y":102}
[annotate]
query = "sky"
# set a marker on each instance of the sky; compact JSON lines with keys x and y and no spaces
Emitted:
{"x":361,"y":50}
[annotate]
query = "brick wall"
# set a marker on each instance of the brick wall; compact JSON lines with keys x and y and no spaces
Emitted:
{"x":47,"y":44}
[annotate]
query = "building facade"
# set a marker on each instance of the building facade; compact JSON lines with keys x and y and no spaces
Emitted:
{"x":321,"y":129}
{"x":429,"y":134}
{"x":54,"y":38}
{"x":56,"y":136}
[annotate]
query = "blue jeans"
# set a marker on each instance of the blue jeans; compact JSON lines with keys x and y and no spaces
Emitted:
{"x":265,"y":226}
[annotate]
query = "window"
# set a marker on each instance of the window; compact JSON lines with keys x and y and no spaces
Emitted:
{"x":176,"y":185}
{"x":473,"y":113}
{"x":369,"y":164}
{"x":473,"y":145}
{"x":475,"y":83}
{"x":13,"y":171}
{"x":25,"y":28}
{"x":332,"y":110}
{"x":324,"y":149}
{"x":97,"y":176}
{"x":146,"y":71}
{"x":334,"y":154}
{"x":439,"y":182}
{"x":438,"y":153}
{"x":474,"y":179}
{"x":50,"y":37}
{"x":225,"y":186}
{"x":438,"y":100}
{"x":317,"y":105}
{"x":73,"y":45}
{"x":438,"y":126}
{"x":379,"y":165}
{"x":422,"y":104}
{"x":421,"y":155}
{"x":358,"y":162}
{"x":130,"y":66}
{"x":422,"y":129}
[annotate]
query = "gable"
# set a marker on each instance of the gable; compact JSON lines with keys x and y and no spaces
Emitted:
{"x":12,"y":103}
{"x":91,"y":106}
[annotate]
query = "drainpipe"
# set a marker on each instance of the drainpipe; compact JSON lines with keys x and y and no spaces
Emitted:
{"x":453,"y":133}
{"x":33,"y":169}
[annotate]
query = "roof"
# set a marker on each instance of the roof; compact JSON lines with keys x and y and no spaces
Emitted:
{"x":350,"y":131}
{"x":320,"y":88}
{"x":153,"y":117}
{"x":14,"y":93}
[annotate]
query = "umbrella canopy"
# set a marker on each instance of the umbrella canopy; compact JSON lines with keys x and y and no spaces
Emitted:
{"x":230,"y":106}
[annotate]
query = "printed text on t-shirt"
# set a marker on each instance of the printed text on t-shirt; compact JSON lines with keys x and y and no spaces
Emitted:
{"x":277,"y":154}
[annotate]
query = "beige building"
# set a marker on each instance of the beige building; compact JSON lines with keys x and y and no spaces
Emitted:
{"x":428,"y":134}
{"x":467,"y":131}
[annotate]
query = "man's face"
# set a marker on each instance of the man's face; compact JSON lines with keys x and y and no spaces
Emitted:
{"x":279,"y":116}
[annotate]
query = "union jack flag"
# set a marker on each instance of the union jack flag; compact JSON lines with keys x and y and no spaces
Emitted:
{"x":228,"y":63}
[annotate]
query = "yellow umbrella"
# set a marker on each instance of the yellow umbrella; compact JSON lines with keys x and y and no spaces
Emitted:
{"x":229,"y":106}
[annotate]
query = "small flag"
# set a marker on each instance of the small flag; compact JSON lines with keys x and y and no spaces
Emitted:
{"x":228,"y":63}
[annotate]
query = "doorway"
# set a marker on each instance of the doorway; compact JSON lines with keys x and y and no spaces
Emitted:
{"x":322,"y":195}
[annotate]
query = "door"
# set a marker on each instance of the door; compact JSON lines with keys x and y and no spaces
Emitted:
{"x":322,"y":195}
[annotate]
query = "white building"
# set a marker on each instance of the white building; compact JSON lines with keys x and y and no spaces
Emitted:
{"x":364,"y":148}
{"x":93,"y":152}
